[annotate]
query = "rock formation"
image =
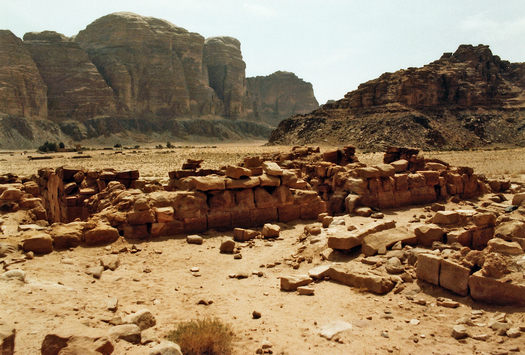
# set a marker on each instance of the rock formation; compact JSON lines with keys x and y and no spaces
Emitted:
{"x":466,"y":99}
{"x":22,"y":90}
{"x":127,"y":74}
{"x":76,"y":90}
{"x":281,"y":95}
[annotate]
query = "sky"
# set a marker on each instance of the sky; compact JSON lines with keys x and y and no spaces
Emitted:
{"x":333,"y":44}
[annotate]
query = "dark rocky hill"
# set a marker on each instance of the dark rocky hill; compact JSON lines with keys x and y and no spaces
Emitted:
{"x":127,"y":73}
{"x":470,"y":98}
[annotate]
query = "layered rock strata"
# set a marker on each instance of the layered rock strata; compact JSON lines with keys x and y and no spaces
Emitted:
{"x":465,"y":99}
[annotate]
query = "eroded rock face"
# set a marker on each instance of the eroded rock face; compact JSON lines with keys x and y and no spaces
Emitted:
{"x":281,"y":95}
{"x":75,"y":87}
{"x":126,"y":73}
{"x":226,"y":72}
{"x":466,"y":99}
{"x":140,"y":58}
{"x":23,"y":90}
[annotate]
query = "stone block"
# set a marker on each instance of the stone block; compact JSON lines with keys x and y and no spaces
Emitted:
{"x":219,"y":219}
{"x":272,"y":168}
{"x":245,"y":199}
{"x":401,"y":181}
{"x":431,"y":177}
{"x":174,"y":227}
{"x":237,"y":172}
{"x":428,"y":268}
{"x":95,"y":340}
{"x":283,"y":196}
{"x":454,"y":277}
{"x":208,"y":183}
{"x":195,"y":224}
{"x":271,"y":230}
{"x":260,"y":216}
{"x":289,"y":213}
{"x":446,"y":217}
{"x":311,"y":211}
{"x":140,"y":231}
{"x":484,"y":219}
{"x":496,"y":291}
{"x":386,"y":199}
{"x":423,"y":195}
{"x":368,"y":172}
{"x":501,"y":246}
{"x":402,"y":198}
{"x":263,"y":199}
{"x":244,"y":183}
{"x":385,"y":170}
{"x":38,"y":243}
{"x":141,"y":217}
{"x":347,"y":276}
{"x":222,"y":200}
{"x":356,"y":186}
{"x":481,"y":236}
{"x":290,"y":283}
{"x":385,"y":239}
{"x":240,"y":219}
{"x":269,"y":180}
{"x":461,"y":236}
{"x":355,"y":238}
{"x":164,"y":214}
{"x":429,"y":233}
{"x":400,"y":165}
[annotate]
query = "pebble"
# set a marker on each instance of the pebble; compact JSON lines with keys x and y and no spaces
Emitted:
{"x":237,"y":256}
{"x":414,"y":321}
{"x":305,"y":290}
{"x":385,"y":334}
{"x":194,"y":239}
{"x":513,"y":332}
{"x":113,"y":304}
{"x":195,"y":269}
{"x":256,"y":315}
{"x":482,"y":337}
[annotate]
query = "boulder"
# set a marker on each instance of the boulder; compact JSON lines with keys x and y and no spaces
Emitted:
{"x":385,"y":239}
{"x":194,"y":239}
{"x":38,"y":243}
{"x":127,"y":332}
{"x":11,"y":194}
{"x":67,"y":236}
{"x":101,"y":234}
{"x":446,"y":217}
{"x":227,"y":246}
{"x":518,"y":199}
{"x":355,"y":238}
{"x":272,"y":168}
{"x":14,"y":274}
{"x":501,"y":246}
{"x":429,"y":233}
{"x":165,"y":348}
{"x":76,"y":334}
{"x":374,"y":283}
{"x":237,"y":172}
{"x":271,"y":230}
{"x":496,"y":291}
{"x":144,"y":319}
{"x":484,"y":219}
{"x":111,"y":262}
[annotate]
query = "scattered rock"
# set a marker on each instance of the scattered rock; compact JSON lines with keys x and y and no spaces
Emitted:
{"x":459,"y":332}
{"x":127,"y":332}
{"x":110,"y":262}
{"x":227,"y":246}
{"x":194,"y":239}
{"x":256,"y":315}
{"x":305,"y":290}
{"x":334,"y":328}
{"x":95,"y":271}
{"x":271,"y":230}
{"x":291,"y":283}
{"x":77,"y":335}
{"x":144,"y":319}
{"x":14,"y":274}
{"x":112,"y":304}
{"x":165,"y":348}
{"x":394,"y":266}
{"x":7,"y":338}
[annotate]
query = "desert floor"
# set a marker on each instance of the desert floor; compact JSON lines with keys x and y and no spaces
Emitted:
{"x":58,"y":290}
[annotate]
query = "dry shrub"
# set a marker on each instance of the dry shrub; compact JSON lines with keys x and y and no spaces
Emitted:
{"x":203,"y":337}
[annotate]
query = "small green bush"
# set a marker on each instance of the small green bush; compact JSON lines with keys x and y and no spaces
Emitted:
{"x":203,"y":337}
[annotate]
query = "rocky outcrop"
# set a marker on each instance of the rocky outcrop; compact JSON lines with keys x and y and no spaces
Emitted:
{"x":76,"y":90}
{"x":281,"y":95}
{"x":135,"y":76}
{"x":467,"y":99}
{"x":22,"y":90}
{"x":142,"y":58}
{"x":226,"y":73}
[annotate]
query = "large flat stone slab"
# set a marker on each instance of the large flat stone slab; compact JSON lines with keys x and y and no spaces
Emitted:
{"x":348,"y":241}
{"x":496,"y":291}
{"x":346,"y":275}
{"x":385,"y":239}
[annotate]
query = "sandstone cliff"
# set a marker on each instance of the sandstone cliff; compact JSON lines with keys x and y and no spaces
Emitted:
{"x":126,"y":74}
{"x":22,"y":90}
{"x":281,"y":95}
{"x":465,"y":99}
{"x":76,"y":90}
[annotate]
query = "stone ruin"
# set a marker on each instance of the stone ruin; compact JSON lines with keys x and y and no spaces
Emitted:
{"x":97,"y":207}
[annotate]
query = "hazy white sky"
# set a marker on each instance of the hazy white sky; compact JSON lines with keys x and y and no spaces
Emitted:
{"x":334,"y":44}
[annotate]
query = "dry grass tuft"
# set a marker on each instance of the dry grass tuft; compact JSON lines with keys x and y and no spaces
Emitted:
{"x":203,"y":337}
